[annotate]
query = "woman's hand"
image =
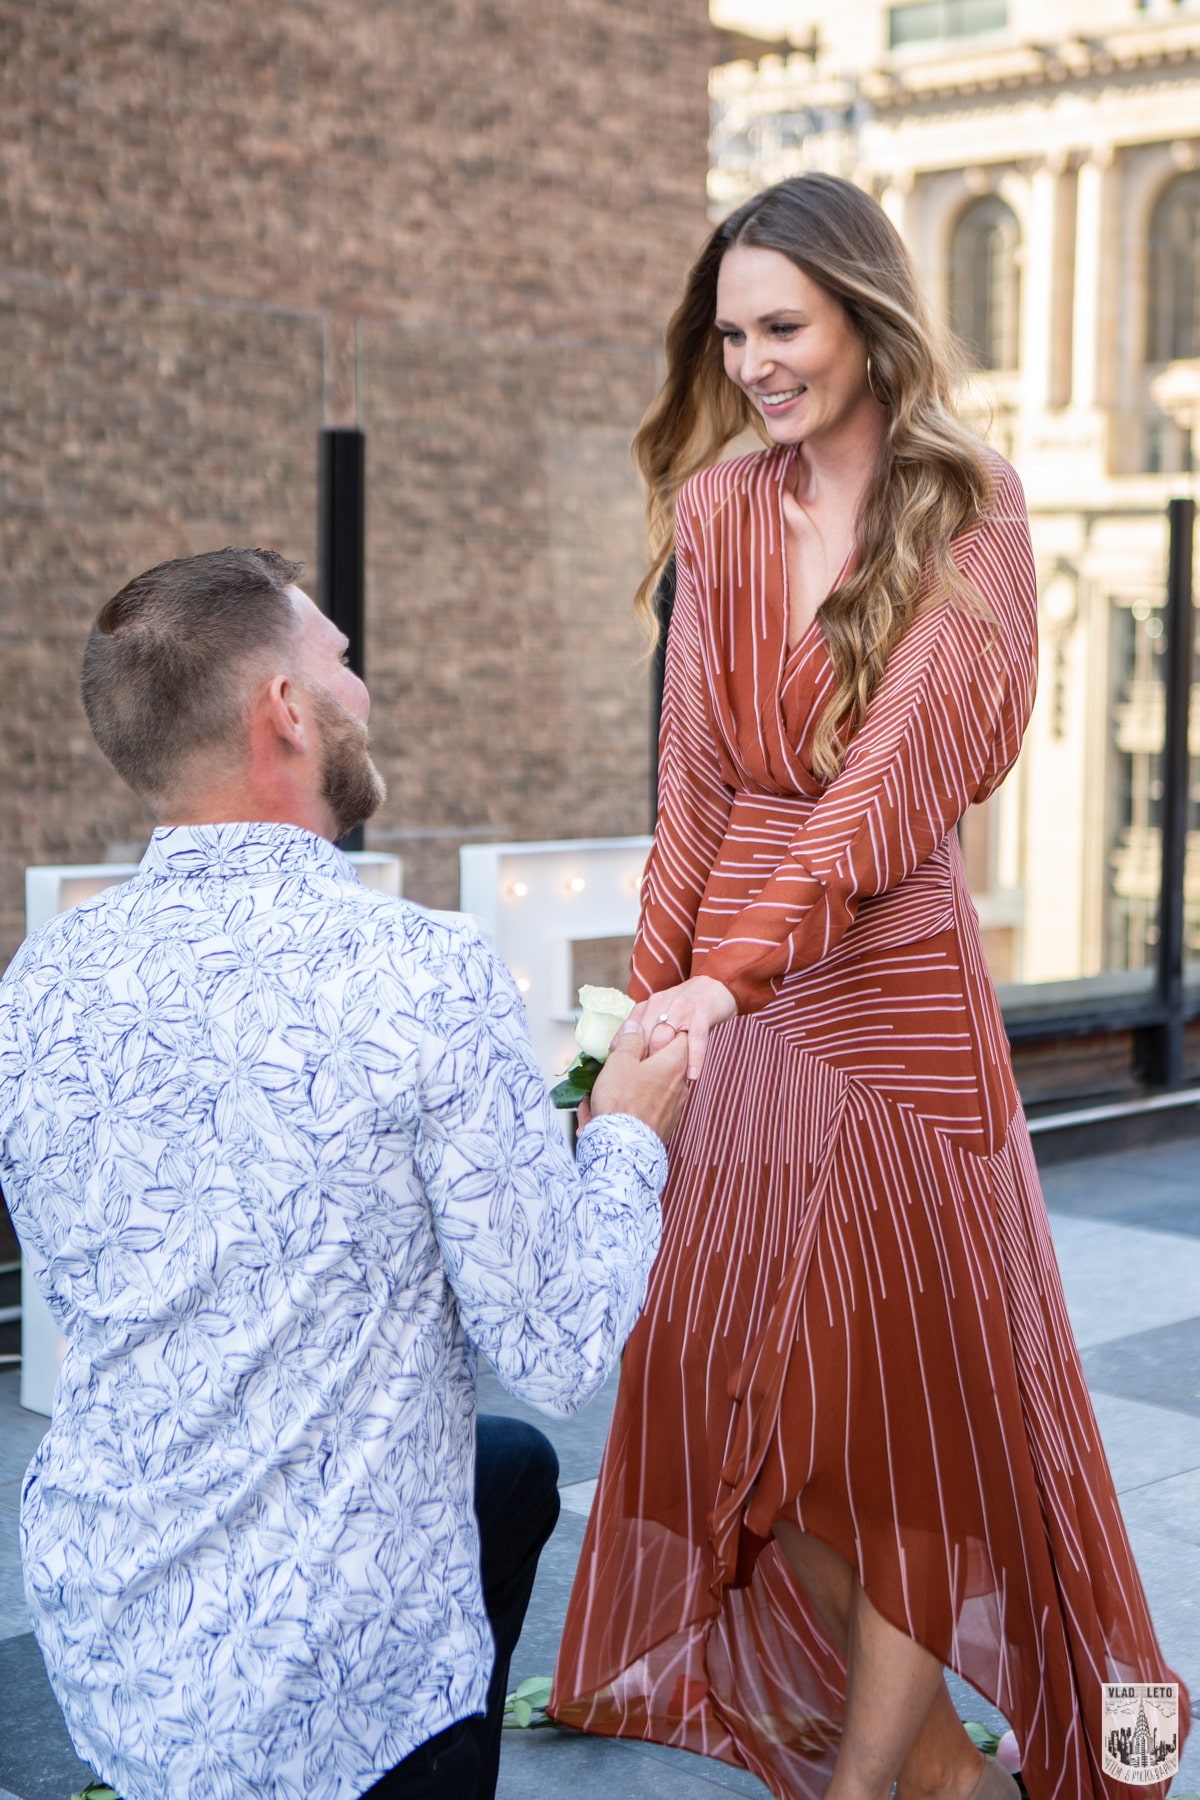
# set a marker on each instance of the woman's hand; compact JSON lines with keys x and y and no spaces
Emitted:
{"x":693,"y":1007}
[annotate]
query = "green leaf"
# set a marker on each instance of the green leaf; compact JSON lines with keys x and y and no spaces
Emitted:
{"x":97,"y":1790}
{"x":578,"y":1082}
{"x":525,"y":1708}
{"x":536,"y":1689}
{"x":981,"y":1737}
{"x":566,"y":1096}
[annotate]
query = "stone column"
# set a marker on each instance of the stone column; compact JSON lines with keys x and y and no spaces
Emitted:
{"x":1037,"y":295}
{"x":894,"y":201}
{"x":1086,"y":322}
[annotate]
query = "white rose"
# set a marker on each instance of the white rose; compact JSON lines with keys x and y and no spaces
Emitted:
{"x":604,"y":1011}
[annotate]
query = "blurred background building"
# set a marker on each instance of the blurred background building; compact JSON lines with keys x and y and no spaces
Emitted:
{"x":460,"y":227}
{"x":1042,"y":162}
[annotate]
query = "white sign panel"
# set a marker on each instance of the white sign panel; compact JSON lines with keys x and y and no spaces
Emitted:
{"x":535,"y":902}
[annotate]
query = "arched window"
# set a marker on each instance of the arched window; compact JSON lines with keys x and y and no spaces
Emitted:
{"x":1174,"y":310}
{"x":985,"y":282}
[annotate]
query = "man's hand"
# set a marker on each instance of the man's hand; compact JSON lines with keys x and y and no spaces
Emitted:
{"x":652,"y":1088}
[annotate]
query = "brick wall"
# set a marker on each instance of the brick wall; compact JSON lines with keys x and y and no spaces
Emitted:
{"x":464,"y":225}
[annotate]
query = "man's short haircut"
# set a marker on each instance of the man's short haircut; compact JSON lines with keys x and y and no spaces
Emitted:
{"x":169,"y":660}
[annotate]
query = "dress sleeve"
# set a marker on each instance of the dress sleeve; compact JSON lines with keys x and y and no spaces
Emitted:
{"x":942,"y":730}
{"x":548,"y":1259}
{"x":694,"y":799}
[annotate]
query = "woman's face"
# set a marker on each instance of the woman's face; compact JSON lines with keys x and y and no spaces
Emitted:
{"x":791,"y":347}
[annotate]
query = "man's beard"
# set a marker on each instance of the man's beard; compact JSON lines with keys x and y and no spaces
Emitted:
{"x":351,"y":785}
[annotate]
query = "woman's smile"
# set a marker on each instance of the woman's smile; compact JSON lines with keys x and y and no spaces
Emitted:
{"x":774,"y":401}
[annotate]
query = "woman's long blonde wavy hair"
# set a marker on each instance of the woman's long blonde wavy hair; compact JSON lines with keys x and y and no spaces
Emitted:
{"x":932,"y":478}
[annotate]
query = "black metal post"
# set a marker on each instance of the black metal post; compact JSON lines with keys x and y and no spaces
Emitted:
{"x":664,"y":606}
{"x":1165,"y":1059}
{"x":341,"y":543}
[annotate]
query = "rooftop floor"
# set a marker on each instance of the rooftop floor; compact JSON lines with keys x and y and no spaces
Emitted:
{"x":1127,"y":1230}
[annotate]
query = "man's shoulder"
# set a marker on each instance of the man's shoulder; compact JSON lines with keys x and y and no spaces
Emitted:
{"x":448,"y":947}
{"x":423,"y":932}
{"x":54,"y":945}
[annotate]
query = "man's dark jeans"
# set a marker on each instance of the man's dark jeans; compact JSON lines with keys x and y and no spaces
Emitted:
{"x":516,"y":1500}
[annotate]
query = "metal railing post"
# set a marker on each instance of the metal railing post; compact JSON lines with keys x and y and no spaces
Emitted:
{"x":341,"y":543}
{"x":1164,"y":1064}
{"x":664,"y":606}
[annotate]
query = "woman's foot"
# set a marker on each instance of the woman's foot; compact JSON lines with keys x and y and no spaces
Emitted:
{"x":969,"y":1776}
{"x":995,"y":1783}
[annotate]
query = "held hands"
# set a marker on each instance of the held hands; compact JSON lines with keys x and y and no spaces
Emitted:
{"x":652,"y":1088}
{"x":689,"y":1010}
{"x":652,"y":1062}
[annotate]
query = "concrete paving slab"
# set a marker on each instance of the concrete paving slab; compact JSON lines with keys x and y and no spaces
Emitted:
{"x":37,"y":1761}
{"x":1153,"y":1188}
{"x":1166,"y":1207}
{"x":578,"y":1497}
{"x":1160,"y":1366}
{"x":19,"y":1438}
{"x":564,"y":1765}
{"x":1167,"y":1158}
{"x":22,"y":1430}
{"x":1117,"y":1279}
{"x":1145,"y":1443}
{"x":1170,"y":1509}
{"x":1174,"y":1159}
{"x":14,"y":1620}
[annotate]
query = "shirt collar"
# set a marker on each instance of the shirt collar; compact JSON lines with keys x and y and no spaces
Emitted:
{"x":242,"y":848}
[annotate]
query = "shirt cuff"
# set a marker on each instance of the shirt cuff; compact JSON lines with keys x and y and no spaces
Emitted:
{"x":631,"y":1140}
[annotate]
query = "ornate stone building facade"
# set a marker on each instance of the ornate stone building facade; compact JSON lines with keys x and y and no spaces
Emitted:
{"x":1043,"y":165}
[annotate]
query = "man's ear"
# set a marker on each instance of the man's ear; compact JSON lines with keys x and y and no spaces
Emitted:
{"x":278,"y":710}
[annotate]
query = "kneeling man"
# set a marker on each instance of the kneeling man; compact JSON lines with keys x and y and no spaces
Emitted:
{"x":284,"y":1152}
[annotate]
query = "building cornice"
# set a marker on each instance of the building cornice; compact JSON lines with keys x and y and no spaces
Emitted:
{"x":904,"y":82}
{"x":912,"y":82}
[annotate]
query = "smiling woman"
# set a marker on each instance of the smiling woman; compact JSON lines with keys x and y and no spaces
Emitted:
{"x":853,"y":1443}
{"x":809,"y":286}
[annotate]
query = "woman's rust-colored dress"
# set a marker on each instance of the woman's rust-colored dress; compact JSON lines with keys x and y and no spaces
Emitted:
{"x":856,"y":1321}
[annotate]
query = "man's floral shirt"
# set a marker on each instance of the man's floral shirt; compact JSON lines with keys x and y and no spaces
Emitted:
{"x":283,"y":1150}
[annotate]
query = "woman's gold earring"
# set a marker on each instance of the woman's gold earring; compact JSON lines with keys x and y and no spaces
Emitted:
{"x":871,"y":384}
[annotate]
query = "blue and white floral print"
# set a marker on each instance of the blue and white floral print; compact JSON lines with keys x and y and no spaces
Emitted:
{"x":284,"y":1150}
